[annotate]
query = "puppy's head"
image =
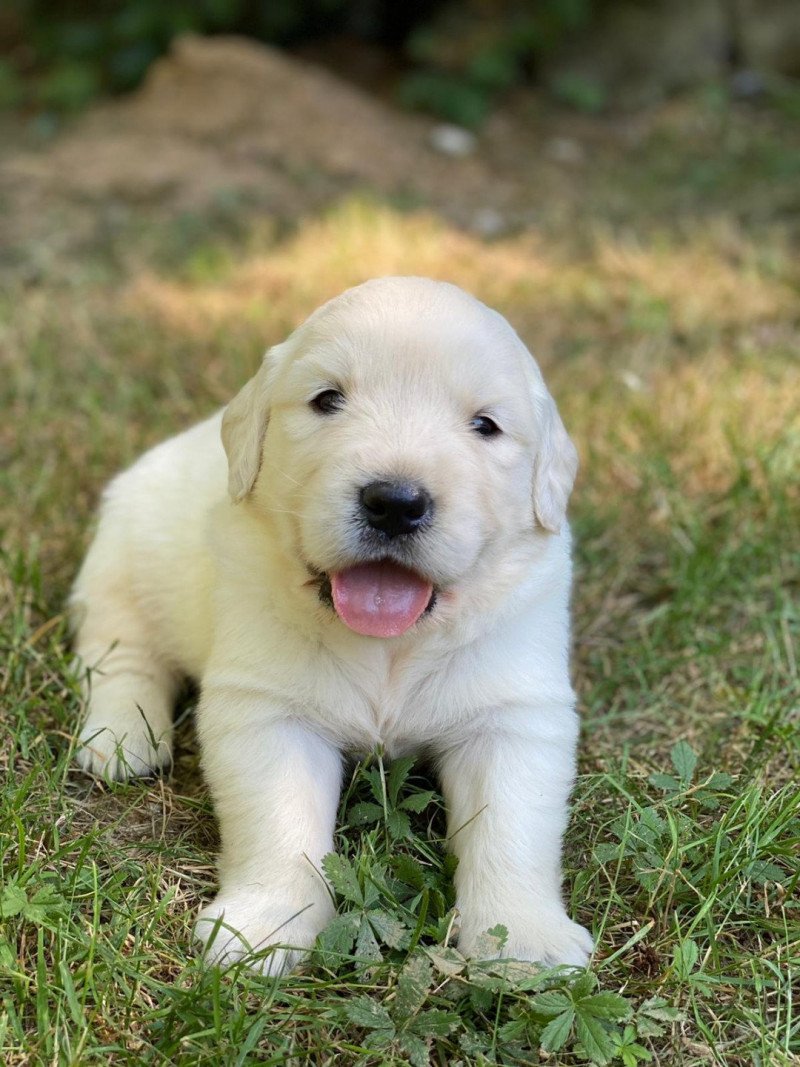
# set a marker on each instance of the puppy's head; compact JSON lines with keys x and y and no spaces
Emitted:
{"x":399,"y":443}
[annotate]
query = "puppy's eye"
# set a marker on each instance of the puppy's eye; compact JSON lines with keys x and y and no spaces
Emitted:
{"x":485,"y":426}
{"x":328,"y":401}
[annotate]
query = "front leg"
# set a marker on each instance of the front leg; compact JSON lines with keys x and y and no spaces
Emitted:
{"x":275,"y":785}
{"x":507,"y":789}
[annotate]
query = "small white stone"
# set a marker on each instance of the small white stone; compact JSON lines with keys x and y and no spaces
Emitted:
{"x":565,"y":150}
{"x":632,"y":381}
{"x":488,"y":222}
{"x":452,"y":141}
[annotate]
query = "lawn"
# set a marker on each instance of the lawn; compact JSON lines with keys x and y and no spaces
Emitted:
{"x":666,"y":316}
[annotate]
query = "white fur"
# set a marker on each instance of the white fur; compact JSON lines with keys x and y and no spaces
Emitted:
{"x":185,"y":578}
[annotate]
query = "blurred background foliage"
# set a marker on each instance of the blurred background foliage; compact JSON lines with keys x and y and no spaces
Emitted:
{"x":453,"y":58}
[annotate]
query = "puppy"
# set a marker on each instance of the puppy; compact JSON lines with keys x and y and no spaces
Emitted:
{"x":368,"y":546}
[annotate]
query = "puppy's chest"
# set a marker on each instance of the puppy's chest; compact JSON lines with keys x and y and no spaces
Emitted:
{"x":390,"y":702}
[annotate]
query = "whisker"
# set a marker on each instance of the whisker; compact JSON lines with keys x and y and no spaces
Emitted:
{"x":285,"y":511}
{"x":288,"y":477}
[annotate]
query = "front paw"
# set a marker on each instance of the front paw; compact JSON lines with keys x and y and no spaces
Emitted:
{"x":268,"y":931}
{"x":123,"y":751}
{"x":550,"y":938}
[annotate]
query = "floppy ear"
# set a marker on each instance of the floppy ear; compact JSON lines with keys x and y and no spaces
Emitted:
{"x":244,"y":425}
{"x":554,"y":468}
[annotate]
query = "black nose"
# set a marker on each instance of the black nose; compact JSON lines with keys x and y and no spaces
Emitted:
{"x":395,"y":508}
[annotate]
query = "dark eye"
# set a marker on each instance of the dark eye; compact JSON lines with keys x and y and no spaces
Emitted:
{"x":485,"y":426}
{"x":328,"y":401}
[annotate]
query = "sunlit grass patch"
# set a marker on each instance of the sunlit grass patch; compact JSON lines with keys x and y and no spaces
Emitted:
{"x":698,"y":283}
{"x":688,"y":345}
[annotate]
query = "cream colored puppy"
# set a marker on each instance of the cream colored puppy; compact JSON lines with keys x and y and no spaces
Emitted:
{"x":368,"y":546}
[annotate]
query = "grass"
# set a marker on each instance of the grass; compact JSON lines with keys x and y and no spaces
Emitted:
{"x":672,"y":348}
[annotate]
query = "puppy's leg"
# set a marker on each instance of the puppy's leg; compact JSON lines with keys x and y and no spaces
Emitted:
{"x":507,"y":791}
{"x":129,"y":691}
{"x":275,"y":787}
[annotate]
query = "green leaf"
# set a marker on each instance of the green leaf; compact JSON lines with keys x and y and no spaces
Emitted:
{"x":514,"y":1030}
{"x":343,"y":877}
{"x":413,"y":986}
{"x":763,"y":871}
{"x":594,"y":1037}
{"x":398,"y":825}
{"x":649,"y":1028}
{"x":719,"y":780}
{"x":13,"y":900}
{"x":407,"y":869}
{"x":417,"y":801}
{"x":499,"y":933}
{"x":435,"y":1023}
{"x":338,"y":937}
{"x":367,"y":947}
{"x":520,"y":974}
{"x":363,"y":813}
{"x":555,"y":1034}
{"x":388,"y":928}
{"x":396,"y":778}
{"x":606,"y":853}
{"x":637,"y":1052}
{"x":661,"y":1009}
{"x":415,"y":1048}
{"x":372,"y":894}
{"x":665,"y":782}
{"x":375,"y":779}
{"x":7,"y":956}
{"x":486,"y":978}
{"x":480,"y":998}
{"x":489,"y":944}
{"x":583,"y":985}
{"x":368,"y":1013}
{"x":627,"y":1049}
{"x":653,"y":822}
{"x":477,"y":1046}
{"x":447,"y":961}
{"x":685,"y":957}
{"x":378,"y":1039}
{"x":684,"y":760}
{"x":609,"y":1006}
{"x":45,"y":906}
{"x":551,"y":1003}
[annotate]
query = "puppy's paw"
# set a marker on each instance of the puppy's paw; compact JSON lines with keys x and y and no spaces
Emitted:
{"x":241,"y":925}
{"x":550,"y":938}
{"x":117,"y":754}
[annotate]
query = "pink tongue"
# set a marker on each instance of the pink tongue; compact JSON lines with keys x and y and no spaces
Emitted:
{"x":379,"y":599}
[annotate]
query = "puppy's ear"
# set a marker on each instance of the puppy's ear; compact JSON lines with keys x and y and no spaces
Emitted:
{"x":554,"y":468}
{"x":244,"y":425}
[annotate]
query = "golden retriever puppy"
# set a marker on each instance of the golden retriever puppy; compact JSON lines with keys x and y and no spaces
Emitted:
{"x":367,"y":547}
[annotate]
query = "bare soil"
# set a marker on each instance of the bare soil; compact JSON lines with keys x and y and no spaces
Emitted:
{"x":225,"y":120}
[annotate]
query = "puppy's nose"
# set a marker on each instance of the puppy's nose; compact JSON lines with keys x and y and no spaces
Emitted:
{"x":395,"y":508}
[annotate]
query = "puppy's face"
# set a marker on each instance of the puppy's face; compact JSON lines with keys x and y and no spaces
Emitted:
{"x":398,"y":438}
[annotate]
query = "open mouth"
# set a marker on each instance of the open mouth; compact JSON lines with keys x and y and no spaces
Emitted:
{"x":380,"y":598}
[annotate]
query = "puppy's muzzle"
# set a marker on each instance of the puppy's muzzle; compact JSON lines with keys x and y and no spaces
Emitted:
{"x":395,"y":508}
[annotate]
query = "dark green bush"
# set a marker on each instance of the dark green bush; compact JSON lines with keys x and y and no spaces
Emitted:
{"x":470,"y":51}
{"x":62,"y":53}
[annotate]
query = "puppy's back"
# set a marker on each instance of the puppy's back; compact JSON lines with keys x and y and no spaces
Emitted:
{"x":151,"y":542}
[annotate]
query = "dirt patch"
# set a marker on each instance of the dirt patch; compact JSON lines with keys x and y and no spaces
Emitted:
{"x":222,"y":116}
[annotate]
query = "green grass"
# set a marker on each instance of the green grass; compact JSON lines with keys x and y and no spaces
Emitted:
{"x":673,"y":353}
